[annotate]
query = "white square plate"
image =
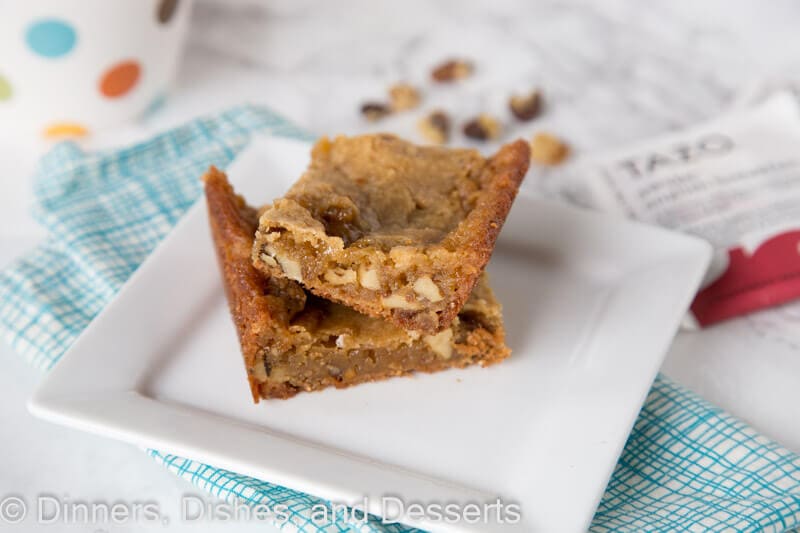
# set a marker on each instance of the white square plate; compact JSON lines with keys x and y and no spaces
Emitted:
{"x":591,"y":304}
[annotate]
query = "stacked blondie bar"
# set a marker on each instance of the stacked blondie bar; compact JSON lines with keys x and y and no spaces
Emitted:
{"x":370,"y":266}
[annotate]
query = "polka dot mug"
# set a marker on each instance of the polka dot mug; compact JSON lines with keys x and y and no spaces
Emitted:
{"x":71,"y":67}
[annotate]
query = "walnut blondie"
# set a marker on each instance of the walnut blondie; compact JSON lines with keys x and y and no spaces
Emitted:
{"x":391,"y":229}
{"x":293,"y":341}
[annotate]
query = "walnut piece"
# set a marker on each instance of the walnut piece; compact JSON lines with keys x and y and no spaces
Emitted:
{"x":526,"y":107}
{"x":260,"y":370}
{"x":340,"y":276}
{"x":269,"y":260}
{"x":398,"y":301}
{"x":483,"y":128}
{"x":452,"y":70}
{"x":368,"y":278}
{"x":403,"y":257}
{"x":403,"y":97}
{"x":374,"y":111}
{"x":426,"y":288}
{"x":441,"y":343}
{"x":291,"y":268}
{"x":435,"y":127}
{"x":548,"y":149}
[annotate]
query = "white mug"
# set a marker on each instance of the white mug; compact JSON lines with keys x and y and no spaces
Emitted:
{"x":71,"y":67}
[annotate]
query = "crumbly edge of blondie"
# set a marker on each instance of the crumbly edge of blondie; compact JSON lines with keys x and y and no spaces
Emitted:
{"x":292,"y":341}
{"x":418,"y":287}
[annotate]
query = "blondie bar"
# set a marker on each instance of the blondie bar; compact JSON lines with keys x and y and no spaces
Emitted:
{"x":293,"y":341}
{"x":391,"y":229}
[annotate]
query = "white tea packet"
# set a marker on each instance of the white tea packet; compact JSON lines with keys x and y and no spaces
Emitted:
{"x":734,"y":181}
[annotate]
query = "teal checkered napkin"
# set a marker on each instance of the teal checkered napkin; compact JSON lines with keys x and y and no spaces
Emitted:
{"x":687,"y":465}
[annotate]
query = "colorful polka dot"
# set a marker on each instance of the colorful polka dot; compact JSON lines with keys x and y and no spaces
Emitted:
{"x":166,"y":9}
{"x":120,"y":79}
{"x":51,"y":37}
{"x":61,"y":130}
{"x":5,"y":89}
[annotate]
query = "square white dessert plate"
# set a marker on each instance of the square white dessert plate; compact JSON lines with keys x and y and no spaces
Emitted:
{"x":591,"y":304}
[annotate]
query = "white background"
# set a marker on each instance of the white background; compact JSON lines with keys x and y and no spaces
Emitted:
{"x":612,"y":72}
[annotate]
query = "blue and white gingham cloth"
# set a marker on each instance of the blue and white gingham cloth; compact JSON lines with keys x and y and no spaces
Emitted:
{"x":687,"y":465}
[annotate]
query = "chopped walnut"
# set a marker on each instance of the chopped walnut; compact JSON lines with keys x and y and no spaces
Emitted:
{"x":374,"y":111}
{"x":435,"y":127}
{"x":403,"y":97}
{"x":452,"y":70}
{"x":403,"y":257}
{"x":441,"y":343}
{"x":398,"y":301}
{"x":526,"y":107}
{"x":368,"y":278}
{"x":269,"y":260}
{"x":340,"y":276}
{"x":548,"y":149}
{"x":426,"y":288}
{"x":291,"y":268}
{"x":482,"y":128}
{"x":259,"y":370}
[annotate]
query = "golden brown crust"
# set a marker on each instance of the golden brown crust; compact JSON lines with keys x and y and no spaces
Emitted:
{"x":380,"y":204}
{"x":478,"y":233}
{"x":293,"y":342}
{"x":231,"y":221}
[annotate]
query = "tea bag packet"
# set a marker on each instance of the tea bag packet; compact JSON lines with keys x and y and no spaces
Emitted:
{"x":734,"y":181}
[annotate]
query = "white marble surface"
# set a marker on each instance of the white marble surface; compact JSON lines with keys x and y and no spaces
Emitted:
{"x":611,"y":71}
